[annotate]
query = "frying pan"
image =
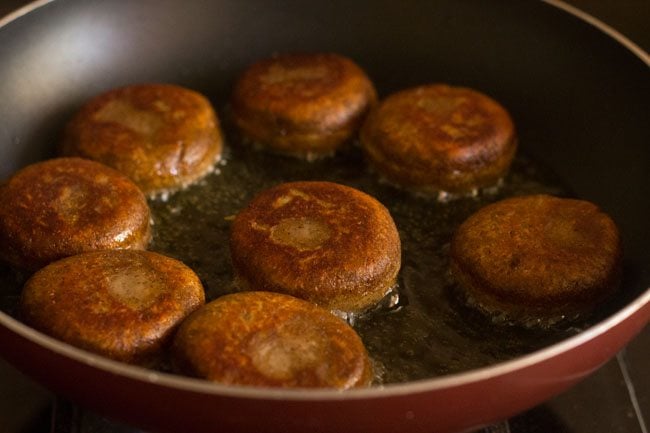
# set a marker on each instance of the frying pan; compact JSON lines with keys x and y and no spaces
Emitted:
{"x":578,"y":97}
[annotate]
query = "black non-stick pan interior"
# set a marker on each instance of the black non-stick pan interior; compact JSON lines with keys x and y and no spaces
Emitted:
{"x":578,"y":99}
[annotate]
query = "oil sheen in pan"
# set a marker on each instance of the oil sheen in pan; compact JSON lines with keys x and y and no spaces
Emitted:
{"x":428,"y":333}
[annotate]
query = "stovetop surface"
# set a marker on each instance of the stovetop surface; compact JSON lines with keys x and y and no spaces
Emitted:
{"x":615,"y":399}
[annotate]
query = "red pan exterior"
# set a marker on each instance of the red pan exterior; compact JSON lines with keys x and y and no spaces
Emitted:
{"x":453,"y":404}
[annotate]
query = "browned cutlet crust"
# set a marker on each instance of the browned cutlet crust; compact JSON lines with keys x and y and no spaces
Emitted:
{"x":271,"y":340}
{"x":65,"y":206}
{"x":537,"y":258}
{"x":161,"y":136}
{"x":122,"y":304}
{"x":436,"y":138}
{"x":320,"y":241}
{"x":306,"y":105}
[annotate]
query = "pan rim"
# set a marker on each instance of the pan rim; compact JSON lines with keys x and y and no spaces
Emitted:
{"x":558,"y":4}
{"x":381,"y":391}
{"x":205,"y":387}
{"x":29,"y":7}
{"x":603,"y":27}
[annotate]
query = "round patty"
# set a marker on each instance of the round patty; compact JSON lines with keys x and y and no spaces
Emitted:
{"x":272,"y":340}
{"x":122,"y":304}
{"x":320,"y":241}
{"x":537,"y":259}
{"x":305,"y":105}
{"x":161,"y":136}
{"x":65,"y":206}
{"x":437,"y":138}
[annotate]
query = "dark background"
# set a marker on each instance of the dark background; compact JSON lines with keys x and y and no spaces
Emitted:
{"x":586,"y":408}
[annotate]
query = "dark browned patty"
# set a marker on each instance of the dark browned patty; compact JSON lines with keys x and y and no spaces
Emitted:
{"x":438,"y":138}
{"x":324,"y":242}
{"x":306,"y":105}
{"x":118,"y":303}
{"x":65,"y":206}
{"x":161,"y":136}
{"x":537,"y":259}
{"x":272,"y":340}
